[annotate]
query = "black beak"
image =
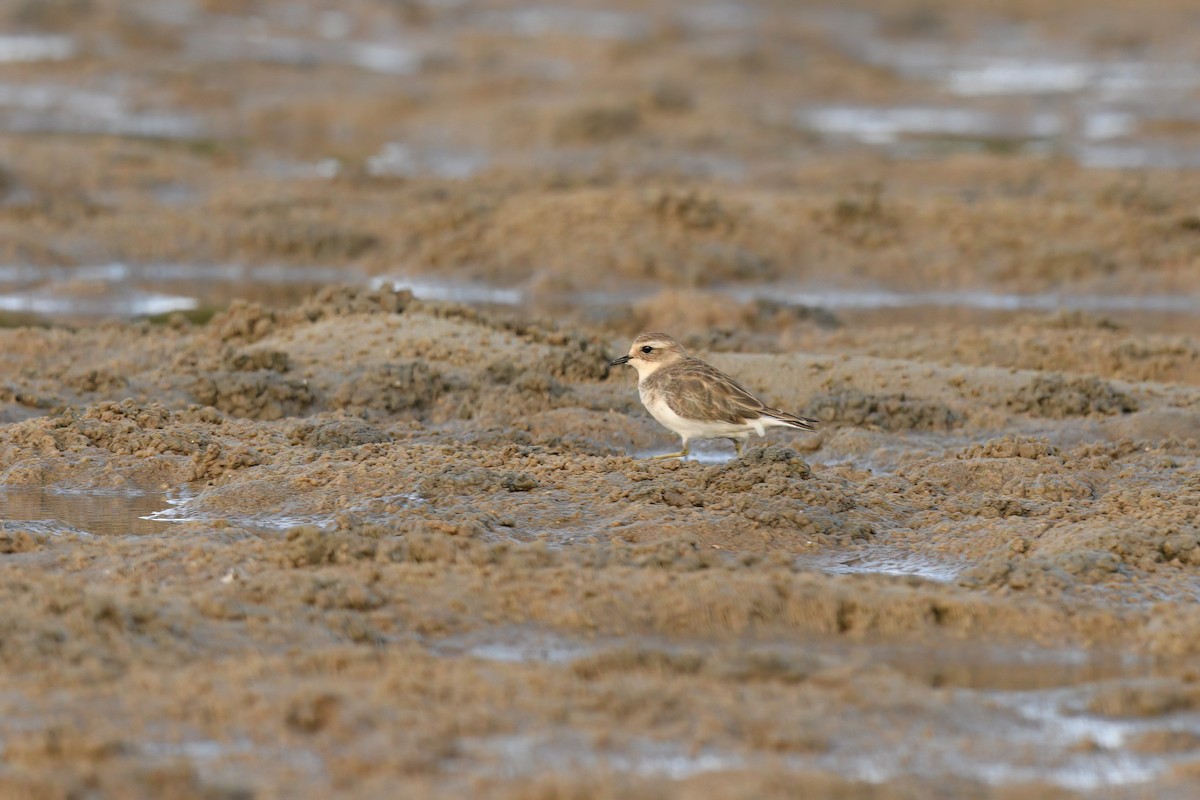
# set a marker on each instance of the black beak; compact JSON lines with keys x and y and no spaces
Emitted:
{"x":618,"y":362}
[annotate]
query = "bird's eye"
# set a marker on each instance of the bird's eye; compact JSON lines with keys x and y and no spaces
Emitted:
{"x":647,"y":349}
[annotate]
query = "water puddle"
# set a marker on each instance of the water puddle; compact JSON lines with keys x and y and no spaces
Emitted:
{"x":400,"y":159}
{"x":1170,"y":313}
{"x":514,"y":645}
{"x":125,"y":301}
{"x":1004,"y":83}
{"x":1002,"y":668}
{"x":719,"y":17}
{"x":132,"y":290}
{"x":386,"y":58}
{"x":881,"y":125}
{"x":567,"y":750}
{"x":1138,"y":156}
{"x":1018,"y":66}
{"x":201,"y":750}
{"x":26,"y":108}
{"x":264,"y":506}
{"x":863,"y":300}
{"x":62,"y":511}
{"x":994,"y":714}
{"x":57,"y":512}
{"x":549,"y":20}
{"x":984,"y":301}
{"x":883,"y":560}
{"x":14,"y":49}
{"x":934,"y":751}
{"x":707,"y":454}
{"x":135,"y":290}
{"x":453,"y":291}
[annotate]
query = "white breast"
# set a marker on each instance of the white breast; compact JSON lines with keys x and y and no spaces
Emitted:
{"x":656,"y":404}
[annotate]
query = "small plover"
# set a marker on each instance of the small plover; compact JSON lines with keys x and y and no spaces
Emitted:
{"x":697,"y":400}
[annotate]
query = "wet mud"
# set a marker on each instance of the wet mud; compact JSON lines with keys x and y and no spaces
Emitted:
{"x":410,"y":543}
{"x":315,"y":480}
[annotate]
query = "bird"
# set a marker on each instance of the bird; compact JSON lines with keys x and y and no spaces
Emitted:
{"x":695,"y":399}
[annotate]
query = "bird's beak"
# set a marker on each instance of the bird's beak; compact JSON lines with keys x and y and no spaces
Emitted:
{"x":619,"y":361}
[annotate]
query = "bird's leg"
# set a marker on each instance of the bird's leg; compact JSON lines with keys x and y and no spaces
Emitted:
{"x":737,"y":446}
{"x":681,"y":454}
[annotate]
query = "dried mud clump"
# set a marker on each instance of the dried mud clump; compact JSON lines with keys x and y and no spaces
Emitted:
{"x":574,"y":362}
{"x":809,"y":523}
{"x":309,"y":240}
{"x":769,"y":487}
{"x":28,"y":399}
{"x":675,"y":494}
{"x":261,"y":395}
{"x":1010,"y":446}
{"x":217,"y":459}
{"x":693,"y":211}
{"x":310,"y":546}
{"x":243,"y":322}
{"x":760,"y":467}
{"x":573,"y":356}
{"x":1003,"y":569}
{"x":719,"y":324}
{"x":17,"y":541}
{"x":1050,"y":487}
{"x":597,"y":124}
{"x":683,"y":553}
{"x":770,"y":471}
{"x":124,"y":428}
{"x":523,"y":378}
{"x":518,"y":482}
{"x":336,"y":434}
{"x":1134,"y":544}
{"x":254,"y":360}
{"x":1057,"y":397}
{"x":461,"y":481}
{"x":405,"y":386}
{"x":985,"y":505}
{"x":95,"y":380}
{"x":1010,"y":481}
{"x":863,"y":219}
{"x":735,"y":667}
{"x":1146,"y":698}
{"x":1070,"y":554}
{"x":894,"y":412}
{"x":333,"y":301}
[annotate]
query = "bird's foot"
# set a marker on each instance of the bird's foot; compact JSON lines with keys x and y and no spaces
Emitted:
{"x":681,"y":454}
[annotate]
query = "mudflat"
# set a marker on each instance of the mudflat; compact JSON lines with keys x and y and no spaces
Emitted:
{"x":315,"y":480}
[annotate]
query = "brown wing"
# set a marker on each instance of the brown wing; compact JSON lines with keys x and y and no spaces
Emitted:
{"x":695,"y":390}
{"x":803,"y":423}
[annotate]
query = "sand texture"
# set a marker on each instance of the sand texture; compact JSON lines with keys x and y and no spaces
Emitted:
{"x":273,"y":525}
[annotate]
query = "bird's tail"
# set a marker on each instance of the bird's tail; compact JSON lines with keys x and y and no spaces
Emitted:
{"x":791,"y":420}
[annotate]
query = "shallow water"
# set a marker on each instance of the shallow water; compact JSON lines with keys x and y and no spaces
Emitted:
{"x":126,"y":290}
{"x":883,"y":559}
{"x":1003,"y":82}
{"x":49,"y":108}
{"x":188,"y":505}
{"x":997,"y":714}
{"x":133,"y":290}
{"x":82,"y":511}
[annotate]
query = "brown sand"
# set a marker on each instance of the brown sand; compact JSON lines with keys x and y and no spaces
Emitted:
{"x":418,"y":550}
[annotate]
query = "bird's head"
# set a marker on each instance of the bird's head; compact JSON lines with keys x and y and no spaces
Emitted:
{"x":651,"y":351}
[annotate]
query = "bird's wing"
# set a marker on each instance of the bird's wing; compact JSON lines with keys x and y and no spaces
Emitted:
{"x":695,"y":390}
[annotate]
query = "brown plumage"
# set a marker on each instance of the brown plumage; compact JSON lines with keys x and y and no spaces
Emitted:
{"x":697,"y":400}
{"x":695,"y":389}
